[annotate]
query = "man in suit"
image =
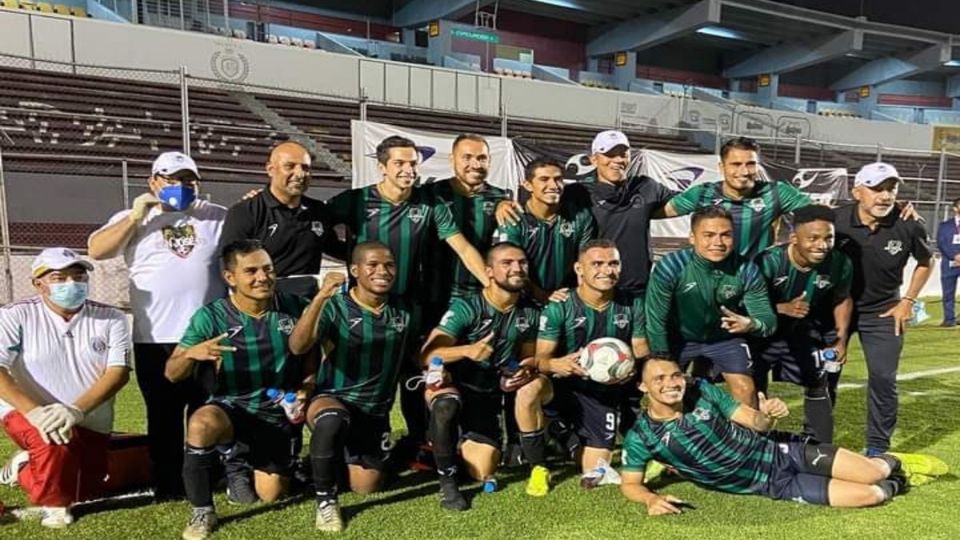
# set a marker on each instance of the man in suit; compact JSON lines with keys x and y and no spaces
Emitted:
{"x":948,"y":242}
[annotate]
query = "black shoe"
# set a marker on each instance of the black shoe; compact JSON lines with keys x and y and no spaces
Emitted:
{"x":946,"y":324}
{"x":450,"y":496}
{"x":240,"y":489}
{"x":513,"y":456}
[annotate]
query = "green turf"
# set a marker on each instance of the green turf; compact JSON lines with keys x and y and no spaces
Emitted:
{"x":929,"y":422}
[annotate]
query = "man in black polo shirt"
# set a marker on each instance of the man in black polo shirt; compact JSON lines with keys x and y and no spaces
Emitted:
{"x":879,"y":242}
{"x":290,"y":225}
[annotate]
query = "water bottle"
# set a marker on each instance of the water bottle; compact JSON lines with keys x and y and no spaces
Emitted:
{"x":490,"y":485}
{"x":293,"y":408}
{"x":274,"y":395}
{"x":828,"y":359}
{"x":434,"y":376}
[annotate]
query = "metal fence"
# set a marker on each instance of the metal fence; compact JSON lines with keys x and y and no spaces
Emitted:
{"x":72,"y":156}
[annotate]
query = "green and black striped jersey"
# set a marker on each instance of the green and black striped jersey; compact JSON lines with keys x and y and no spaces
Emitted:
{"x":703,"y":445}
{"x":262,"y":359}
{"x":572,"y":324}
{"x":753,"y":217}
{"x":551,"y":246}
{"x":403,"y":227}
{"x":685,"y":294}
{"x":824,"y":285}
{"x":471,"y":318}
{"x":444,"y":274}
{"x":363,"y":352}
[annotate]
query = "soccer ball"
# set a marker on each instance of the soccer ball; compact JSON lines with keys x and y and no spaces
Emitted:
{"x":606,"y":359}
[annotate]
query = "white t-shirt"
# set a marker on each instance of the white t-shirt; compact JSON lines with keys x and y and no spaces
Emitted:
{"x":174,"y":269}
{"x":55,"y":360}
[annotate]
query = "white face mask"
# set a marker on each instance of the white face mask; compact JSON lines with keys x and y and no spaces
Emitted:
{"x":69,"y":294}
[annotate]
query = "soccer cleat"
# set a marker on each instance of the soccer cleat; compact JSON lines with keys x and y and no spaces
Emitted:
{"x":240,"y":489}
{"x":328,"y":517}
{"x":10,"y":471}
{"x":539,"y":483}
{"x":450,"y":496}
{"x":202,"y":523}
{"x":56,"y":517}
{"x":922,"y":464}
{"x":653,"y":471}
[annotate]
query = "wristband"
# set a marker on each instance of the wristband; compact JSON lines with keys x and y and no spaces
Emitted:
{"x":910,"y":299}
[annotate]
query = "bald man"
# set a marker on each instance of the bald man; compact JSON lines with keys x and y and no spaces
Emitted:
{"x":290,"y":225}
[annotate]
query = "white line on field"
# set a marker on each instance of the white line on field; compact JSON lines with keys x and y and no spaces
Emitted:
{"x":909,"y":376}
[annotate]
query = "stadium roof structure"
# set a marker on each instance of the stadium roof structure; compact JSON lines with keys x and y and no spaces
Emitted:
{"x":761,"y":36}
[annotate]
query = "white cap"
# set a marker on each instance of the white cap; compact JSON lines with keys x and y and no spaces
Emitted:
{"x":873,"y":174}
{"x":606,"y":141}
{"x":170,"y":163}
{"x":57,"y":258}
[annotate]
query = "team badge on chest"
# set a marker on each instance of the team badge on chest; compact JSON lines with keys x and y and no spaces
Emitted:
{"x":416,"y":214}
{"x":180,"y":239}
{"x":894,"y":247}
{"x":317,"y":227}
{"x":620,"y":320}
{"x":757,"y":205}
{"x":489,"y":207}
{"x":285,"y":325}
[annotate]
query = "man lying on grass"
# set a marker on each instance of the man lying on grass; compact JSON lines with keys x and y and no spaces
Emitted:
{"x":721,"y":444}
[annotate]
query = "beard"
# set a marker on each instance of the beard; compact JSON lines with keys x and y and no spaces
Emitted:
{"x":506,"y":285}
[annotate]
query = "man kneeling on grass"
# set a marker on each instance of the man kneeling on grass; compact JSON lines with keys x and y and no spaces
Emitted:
{"x":719,"y":443}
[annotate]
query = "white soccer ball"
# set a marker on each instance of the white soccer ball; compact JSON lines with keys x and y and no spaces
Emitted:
{"x":606,"y":359}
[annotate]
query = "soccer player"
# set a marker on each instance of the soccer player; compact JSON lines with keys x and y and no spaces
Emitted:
{"x":362,"y":334}
{"x":594,"y":310}
{"x":482,"y":337}
{"x":809,"y":285}
{"x":720,"y":443}
{"x":244,"y":337}
{"x":880,"y":242}
{"x":171,"y":253}
{"x":402,"y":217}
{"x":694,"y":298}
{"x":63,"y":358}
{"x":755,"y":205}
{"x":551,"y":229}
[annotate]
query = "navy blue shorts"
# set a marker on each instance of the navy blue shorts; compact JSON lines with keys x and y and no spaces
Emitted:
{"x":797,"y":473}
{"x":594,"y":416}
{"x":270,"y":447}
{"x":791,"y":358}
{"x":729,"y":356}
{"x":481,"y":416}
{"x":367,"y":442}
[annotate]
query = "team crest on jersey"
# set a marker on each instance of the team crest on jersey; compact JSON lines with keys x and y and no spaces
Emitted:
{"x":99,"y":345}
{"x":894,"y":247}
{"x":727,"y":292}
{"x":702,"y":414}
{"x":566,"y":229}
{"x":822,"y":281}
{"x":416,"y":214}
{"x":317,"y":227}
{"x":398,"y":323}
{"x":522,"y":324}
{"x":285,"y":325}
{"x":180,"y":239}
{"x":620,"y":320}
{"x":489,"y":207}
{"x":757,"y":205}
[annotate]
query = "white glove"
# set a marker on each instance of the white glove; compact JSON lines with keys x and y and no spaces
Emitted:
{"x":141,"y":205}
{"x":37,"y":417}
{"x":60,"y":422}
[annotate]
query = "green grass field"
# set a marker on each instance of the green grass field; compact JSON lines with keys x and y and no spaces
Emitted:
{"x":929,"y":423}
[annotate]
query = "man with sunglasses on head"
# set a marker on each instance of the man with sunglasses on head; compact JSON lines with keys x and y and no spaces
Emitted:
{"x":168,"y":240}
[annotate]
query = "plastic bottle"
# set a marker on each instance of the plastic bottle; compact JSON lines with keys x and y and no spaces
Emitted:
{"x":490,"y":485}
{"x":274,"y":395}
{"x":828,"y":359}
{"x":434,"y":376}
{"x":293,"y":408}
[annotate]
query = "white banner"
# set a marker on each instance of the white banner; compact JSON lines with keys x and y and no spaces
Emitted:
{"x":435,"y":150}
{"x":677,"y":172}
{"x":824,"y":186}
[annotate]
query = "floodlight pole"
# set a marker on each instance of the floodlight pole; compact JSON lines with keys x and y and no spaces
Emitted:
{"x":5,"y":232}
{"x":185,"y":110}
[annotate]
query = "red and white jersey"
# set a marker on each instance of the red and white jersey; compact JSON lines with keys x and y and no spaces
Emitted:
{"x":53,"y":360}
{"x":174,"y":269}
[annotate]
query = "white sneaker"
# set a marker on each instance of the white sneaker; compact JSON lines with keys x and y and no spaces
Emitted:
{"x":56,"y":517}
{"x":10,"y":471}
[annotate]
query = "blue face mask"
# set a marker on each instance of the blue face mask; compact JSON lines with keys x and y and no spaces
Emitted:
{"x":70,"y":294}
{"x":177,"y":197}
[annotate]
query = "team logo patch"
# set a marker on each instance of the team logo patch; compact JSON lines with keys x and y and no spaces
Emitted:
{"x":579,"y":321}
{"x":99,"y":345}
{"x":894,"y":247}
{"x":317,"y":227}
{"x":446,"y":318}
{"x":489,"y":207}
{"x":416,"y":214}
{"x":180,"y":239}
{"x":822,"y":281}
{"x":687,"y":287}
{"x":757,"y":205}
{"x":727,"y":292}
{"x":532,"y":232}
{"x":702,"y":414}
{"x":398,"y":323}
{"x":285,"y":325}
{"x":372,"y":212}
{"x":543,"y":323}
{"x":522,"y":324}
{"x":566,"y":229}
{"x":620,"y":320}
{"x":354,"y":322}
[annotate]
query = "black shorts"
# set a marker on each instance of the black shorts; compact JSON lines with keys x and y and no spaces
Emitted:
{"x":797,"y":474}
{"x":790,"y":359}
{"x":271,"y":448}
{"x":367,"y":442}
{"x":594,"y":416}
{"x":728,"y":356}
{"x":481,"y":416}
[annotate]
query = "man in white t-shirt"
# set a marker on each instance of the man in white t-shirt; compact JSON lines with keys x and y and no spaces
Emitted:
{"x":62,"y":360}
{"x":169,"y":243}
